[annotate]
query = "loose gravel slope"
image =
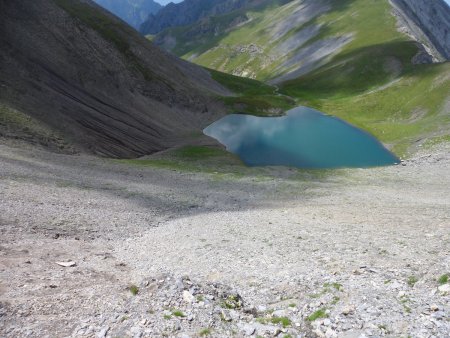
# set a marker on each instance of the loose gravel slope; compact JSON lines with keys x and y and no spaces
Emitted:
{"x":158,"y":252}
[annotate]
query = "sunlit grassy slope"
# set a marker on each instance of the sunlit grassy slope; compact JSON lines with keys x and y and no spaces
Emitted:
{"x":369,"y":82}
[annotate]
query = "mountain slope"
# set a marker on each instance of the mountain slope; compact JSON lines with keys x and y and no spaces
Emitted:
{"x":350,"y":58}
{"x":188,"y":12}
{"x":281,"y":40}
{"x":133,"y":12}
{"x":428,"y":23}
{"x":75,"y":69}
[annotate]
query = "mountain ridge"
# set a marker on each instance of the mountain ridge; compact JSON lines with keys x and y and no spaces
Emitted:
{"x":133,"y":12}
{"x":188,"y":12}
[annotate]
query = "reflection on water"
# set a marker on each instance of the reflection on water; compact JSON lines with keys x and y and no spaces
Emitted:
{"x":304,"y":138}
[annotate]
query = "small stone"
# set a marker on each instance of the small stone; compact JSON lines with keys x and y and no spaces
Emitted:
{"x":330,"y":333}
{"x":179,"y":284}
{"x":225,"y":315}
{"x":279,"y":313}
{"x":348,"y":310}
{"x":434,"y":307}
{"x":438,"y":315}
{"x":262,"y":308}
{"x":235,"y":315}
{"x":103,"y":332}
{"x":444,"y":288}
{"x":395,"y":285}
{"x":66,"y":264}
{"x":188,"y":297}
{"x":401,"y":294}
{"x":326,"y":322}
{"x":248,"y":330}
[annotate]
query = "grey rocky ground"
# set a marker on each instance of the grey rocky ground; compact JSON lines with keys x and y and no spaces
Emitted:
{"x":159,"y":252}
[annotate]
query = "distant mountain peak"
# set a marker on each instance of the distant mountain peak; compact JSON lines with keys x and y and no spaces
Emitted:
{"x":133,"y":12}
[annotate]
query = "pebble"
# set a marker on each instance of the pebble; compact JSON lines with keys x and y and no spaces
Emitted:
{"x":348,"y":310}
{"x":248,"y":330}
{"x":188,"y":297}
{"x":103,"y":332}
{"x":444,"y":288}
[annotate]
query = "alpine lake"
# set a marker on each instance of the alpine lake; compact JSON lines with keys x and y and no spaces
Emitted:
{"x":303,"y":138}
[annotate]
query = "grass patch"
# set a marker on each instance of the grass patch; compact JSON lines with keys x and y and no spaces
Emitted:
{"x":232,"y":302}
{"x":335,"y":300}
{"x":198,"y":152}
{"x":205,"y":332}
{"x":404,"y":301}
{"x":443,"y":279}
{"x":284,"y":321}
{"x":336,"y":286}
{"x":242,"y":85}
{"x":253,"y":97}
{"x":178,"y":313}
{"x":133,"y":289}
{"x":193,"y":159}
{"x":412,"y":280}
{"x":321,"y":313}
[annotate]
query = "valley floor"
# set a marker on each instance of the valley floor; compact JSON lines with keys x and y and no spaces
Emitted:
{"x":351,"y":253}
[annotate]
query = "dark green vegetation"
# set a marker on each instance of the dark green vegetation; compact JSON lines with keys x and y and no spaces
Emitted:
{"x":192,"y":158}
{"x":178,"y":313}
{"x":321,"y":313}
{"x":205,"y":332}
{"x":284,"y":321}
{"x":412,"y":280}
{"x":254,"y":97}
{"x":443,"y":279}
{"x":133,"y":289}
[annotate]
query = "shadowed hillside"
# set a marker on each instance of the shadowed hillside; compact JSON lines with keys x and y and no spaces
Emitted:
{"x":73,"y":69}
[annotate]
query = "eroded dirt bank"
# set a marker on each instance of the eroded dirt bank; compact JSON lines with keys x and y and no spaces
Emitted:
{"x":352,"y":254}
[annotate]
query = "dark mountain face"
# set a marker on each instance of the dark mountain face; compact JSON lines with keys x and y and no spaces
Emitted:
{"x":134,"y":12}
{"x":429,"y":23}
{"x":187,"y":12}
{"x":83,"y":72}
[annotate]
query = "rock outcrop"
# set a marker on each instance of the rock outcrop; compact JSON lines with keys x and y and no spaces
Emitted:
{"x":81,"y":71}
{"x":427,"y":22}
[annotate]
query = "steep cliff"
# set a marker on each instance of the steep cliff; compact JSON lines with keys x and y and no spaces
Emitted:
{"x":428,"y":22}
{"x":77,"y":69}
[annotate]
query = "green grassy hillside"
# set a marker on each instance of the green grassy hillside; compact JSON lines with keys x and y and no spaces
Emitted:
{"x":369,"y":80}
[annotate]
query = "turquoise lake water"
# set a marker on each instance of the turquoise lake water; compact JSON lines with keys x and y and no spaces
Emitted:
{"x":303,"y":138}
